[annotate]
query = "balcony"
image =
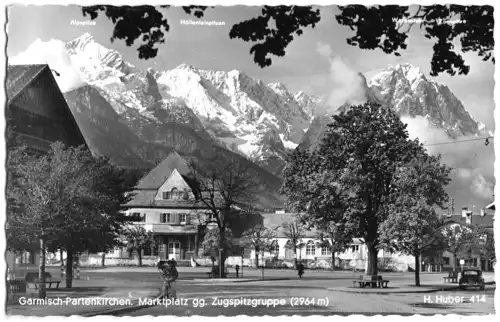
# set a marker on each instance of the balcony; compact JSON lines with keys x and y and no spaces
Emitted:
{"x":168,"y":228}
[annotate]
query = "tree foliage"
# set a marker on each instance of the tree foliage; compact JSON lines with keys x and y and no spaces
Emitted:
{"x":258,"y":238}
{"x":375,"y":27}
{"x":66,"y":198}
{"x":139,"y":239}
{"x":294,"y":231}
{"x":212,"y":240}
{"x":351,"y":179}
{"x":459,"y":238}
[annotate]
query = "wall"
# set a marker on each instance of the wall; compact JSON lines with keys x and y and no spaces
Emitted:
{"x":348,"y":260}
{"x":96,"y":260}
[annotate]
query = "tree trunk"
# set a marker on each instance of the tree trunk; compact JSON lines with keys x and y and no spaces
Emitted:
{"x":103,"y":259}
{"x":69,"y":267}
{"x":295,"y":253}
{"x":417,"y":269}
{"x":372,"y":265}
{"x":139,"y":256}
{"x":486,"y":264}
{"x":62,"y":262}
{"x":454,"y":262}
{"x":222,"y":232}
{"x":263,"y":264}
{"x":333,"y":260}
{"x":42,"y":292}
{"x":256,"y":258}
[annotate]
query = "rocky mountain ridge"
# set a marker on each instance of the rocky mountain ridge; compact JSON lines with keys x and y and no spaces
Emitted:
{"x":231,"y":109}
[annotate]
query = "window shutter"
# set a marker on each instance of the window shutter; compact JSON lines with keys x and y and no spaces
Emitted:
{"x":188,"y":219}
{"x":177,"y":219}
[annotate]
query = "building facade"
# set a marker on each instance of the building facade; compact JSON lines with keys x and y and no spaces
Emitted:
{"x":165,"y":203}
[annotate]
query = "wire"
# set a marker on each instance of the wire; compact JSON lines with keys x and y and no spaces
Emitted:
{"x":460,"y":141}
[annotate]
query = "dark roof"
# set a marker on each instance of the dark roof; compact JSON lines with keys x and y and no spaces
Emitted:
{"x":156,"y":177}
{"x":20,"y":76}
{"x":276,"y":221}
{"x":486,"y":220}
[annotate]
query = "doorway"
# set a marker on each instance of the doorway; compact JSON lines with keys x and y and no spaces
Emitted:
{"x":174,"y":250}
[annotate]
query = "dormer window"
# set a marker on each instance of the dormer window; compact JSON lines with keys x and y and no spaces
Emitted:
{"x":174,"y":194}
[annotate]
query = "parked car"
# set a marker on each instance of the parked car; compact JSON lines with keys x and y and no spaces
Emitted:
{"x":471,"y":278}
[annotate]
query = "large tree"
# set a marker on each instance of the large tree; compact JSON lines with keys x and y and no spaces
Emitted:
{"x":139,"y":239}
{"x":331,"y":237}
{"x":223,"y":186}
{"x":350,"y":179}
{"x":458,"y":238}
{"x":66,"y":199}
{"x":260,"y":239}
{"x":376,"y":27}
{"x":413,"y":226}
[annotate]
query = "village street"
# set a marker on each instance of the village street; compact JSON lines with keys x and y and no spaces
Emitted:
{"x":319,"y":292}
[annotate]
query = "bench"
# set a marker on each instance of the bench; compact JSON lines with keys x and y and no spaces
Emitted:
{"x":374,"y":282}
{"x":32,"y":278}
{"x":15,"y":290}
{"x":451,"y":278}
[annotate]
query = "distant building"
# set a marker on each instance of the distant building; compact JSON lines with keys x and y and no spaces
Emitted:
{"x":164,"y":202}
{"x":470,"y":219}
{"x":37,"y":114}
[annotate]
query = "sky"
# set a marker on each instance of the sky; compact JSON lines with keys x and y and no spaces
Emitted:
{"x":313,"y":61}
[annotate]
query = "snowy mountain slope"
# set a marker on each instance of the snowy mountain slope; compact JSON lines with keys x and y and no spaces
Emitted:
{"x":231,"y":108}
{"x":196,"y":107}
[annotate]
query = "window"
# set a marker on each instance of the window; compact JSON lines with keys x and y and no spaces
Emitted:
{"x":190,"y":246}
{"x":142,"y":218}
{"x":148,"y":251}
{"x":165,"y":218}
{"x":310,"y":248}
{"x":355,"y":248}
{"x":185,"y":195}
{"x":182,"y":218}
{"x":161,"y":247}
{"x":446,"y":260}
{"x":325,"y":250}
{"x":26,"y":258}
{"x":175,"y":194}
{"x":166,"y":195}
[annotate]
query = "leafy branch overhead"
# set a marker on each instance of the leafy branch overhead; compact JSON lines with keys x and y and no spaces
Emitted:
{"x":375,"y":27}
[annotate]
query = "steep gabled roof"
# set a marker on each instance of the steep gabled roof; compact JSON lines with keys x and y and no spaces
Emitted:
{"x":18,"y":77}
{"x":156,"y":177}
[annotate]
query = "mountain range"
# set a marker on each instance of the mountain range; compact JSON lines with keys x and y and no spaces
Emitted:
{"x":138,"y":116}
